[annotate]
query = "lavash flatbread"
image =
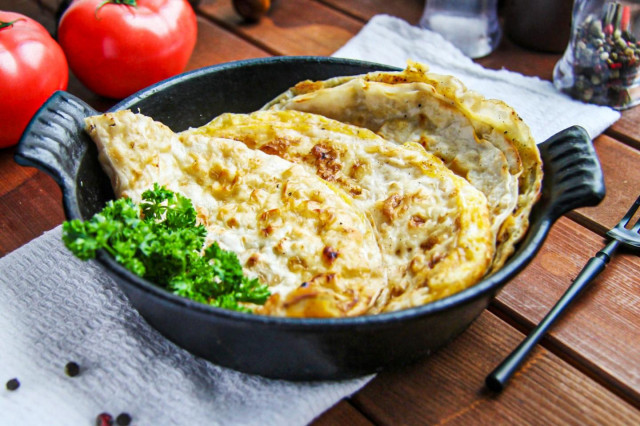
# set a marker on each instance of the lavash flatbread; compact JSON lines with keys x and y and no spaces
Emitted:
{"x":482,"y":140}
{"x":317,"y":253}
{"x":433,"y":226}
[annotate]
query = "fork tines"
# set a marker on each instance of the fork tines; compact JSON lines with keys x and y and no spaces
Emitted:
{"x":628,"y":236}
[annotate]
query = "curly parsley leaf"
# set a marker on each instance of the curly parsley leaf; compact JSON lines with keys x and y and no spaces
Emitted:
{"x":160,"y":241}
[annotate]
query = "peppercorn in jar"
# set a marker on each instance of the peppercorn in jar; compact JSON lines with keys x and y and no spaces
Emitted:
{"x":600,"y":64}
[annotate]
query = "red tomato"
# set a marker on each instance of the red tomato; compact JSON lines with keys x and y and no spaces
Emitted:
{"x":32,"y":67}
{"x":117,"y":49}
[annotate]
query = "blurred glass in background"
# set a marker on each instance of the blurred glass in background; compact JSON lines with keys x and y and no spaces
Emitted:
{"x":471,"y":25}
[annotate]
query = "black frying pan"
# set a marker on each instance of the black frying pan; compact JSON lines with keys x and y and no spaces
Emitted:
{"x":286,"y":348}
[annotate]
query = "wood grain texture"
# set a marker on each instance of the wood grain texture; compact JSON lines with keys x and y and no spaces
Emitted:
{"x":600,"y":332}
{"x":11,"y":174}
{"x":30,"y":208}
{"x":447,"y":388}
{"x":409,"y":10}
{"x":292,"y":27}
{"x":216,"y":45}
{"x":343,"y":413}
{"x":620,"y":165}
{"x":626,"y":129}
{"x":510,"y":56}
{"x":585,"y":372}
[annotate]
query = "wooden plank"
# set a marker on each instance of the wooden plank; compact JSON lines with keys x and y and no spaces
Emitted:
{"x":11,"y":174}
{"x":600,"y":332}
{"x":216,"y":45}
{"x":448,"y":387}
{"x":292,"y":27}
{"x":409,"y":10}
{"x":31,"y":208}
{"x":627,"y":129}
{"x":510,"y":56}
{"x":342,"y":413}
{"x":622,"y":181}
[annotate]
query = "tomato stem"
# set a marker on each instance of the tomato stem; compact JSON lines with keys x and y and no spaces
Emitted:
{"x":10,"y":23}
{"x":125,"y":2}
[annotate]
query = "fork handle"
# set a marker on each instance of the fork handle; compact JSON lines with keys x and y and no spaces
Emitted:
{"x":498,"y":378}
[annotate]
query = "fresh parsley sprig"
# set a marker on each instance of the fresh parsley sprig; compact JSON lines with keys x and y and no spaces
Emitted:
{"x":160,"y":241}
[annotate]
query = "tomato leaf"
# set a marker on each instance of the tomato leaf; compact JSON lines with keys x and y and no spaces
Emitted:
{"x":9,"y":24}
{"x":131,"y":3}
{"x":36,"y":68}
{"x":118,"y":47}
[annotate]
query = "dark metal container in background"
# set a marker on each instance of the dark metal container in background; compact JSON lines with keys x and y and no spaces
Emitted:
{"x":286,"y":348}
{"x":543,"y":25}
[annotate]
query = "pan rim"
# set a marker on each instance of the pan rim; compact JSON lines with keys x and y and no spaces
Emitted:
{"x":523,"y":254}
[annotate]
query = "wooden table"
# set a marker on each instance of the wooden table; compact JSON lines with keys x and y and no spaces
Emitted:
{"x":587,"y":371}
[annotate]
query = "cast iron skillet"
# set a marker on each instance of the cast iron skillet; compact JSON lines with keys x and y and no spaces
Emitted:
{"x":286,"y":348}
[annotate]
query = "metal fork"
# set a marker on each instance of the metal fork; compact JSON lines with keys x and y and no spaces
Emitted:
{"x":620,"y":234}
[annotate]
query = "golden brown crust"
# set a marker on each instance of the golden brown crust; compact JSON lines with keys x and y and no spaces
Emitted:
{"x":360,"y":225}
{"x":286,"y":226}
{"x":511,"y":177}
{"x":432,"y":226}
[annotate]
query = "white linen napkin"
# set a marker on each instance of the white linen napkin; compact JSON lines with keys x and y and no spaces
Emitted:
{"x":55,"y":309}
{"x":392,"y":41}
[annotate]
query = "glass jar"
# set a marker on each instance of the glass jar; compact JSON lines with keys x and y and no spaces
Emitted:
{"x":471,"y":25}
{"x":600,"y":64}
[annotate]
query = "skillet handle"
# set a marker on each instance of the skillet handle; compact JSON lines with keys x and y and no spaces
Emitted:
{"x":571,"y":164}
{"x":573,"y":178}
{"x":47,"y":142}
{"x":50,"y":143}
